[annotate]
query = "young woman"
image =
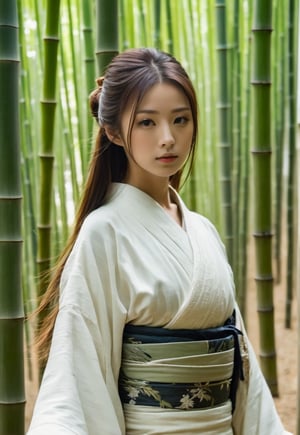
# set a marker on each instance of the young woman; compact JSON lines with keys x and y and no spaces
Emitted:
{"x":145,"y":334}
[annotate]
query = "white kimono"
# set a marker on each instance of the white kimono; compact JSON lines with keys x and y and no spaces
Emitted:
{"x":133,"y":263}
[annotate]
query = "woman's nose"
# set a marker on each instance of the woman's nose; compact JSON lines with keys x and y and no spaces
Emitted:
{"x":167,"y":138}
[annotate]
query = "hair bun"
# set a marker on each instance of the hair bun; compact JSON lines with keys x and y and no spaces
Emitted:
{"x":94,"y":97}
{"x":100,"y":81}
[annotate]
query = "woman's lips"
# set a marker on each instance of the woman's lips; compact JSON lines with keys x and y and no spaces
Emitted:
{"x":167,"y":158}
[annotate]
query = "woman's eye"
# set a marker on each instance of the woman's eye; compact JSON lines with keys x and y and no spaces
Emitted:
{"x":181,"y":120}
{"x":146,"y":122}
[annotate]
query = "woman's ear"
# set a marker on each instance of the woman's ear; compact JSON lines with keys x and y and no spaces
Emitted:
{"x":113,"y":136}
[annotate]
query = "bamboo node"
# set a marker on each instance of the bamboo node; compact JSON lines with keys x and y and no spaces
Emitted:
{"x":261,"y":151}
{"x":18,"y":319}
{"x":19,"y":402}
{"x":44,"y":226}
{"x":262,"y":29}
{"x":43,"y":261}
{"x":46,"y":156}
{"x":264,"y":278}
{"x":51,"y":38}
{"x":11,"y":240}
{"x":12,"y":60}
{"x":268,"y":355}
{"x":111,"y":52}
{"x":261,"y":82}
{"x":10,"y":26}
{"x":262,"y":234}
{"x":44,"y":101}
{"x":10,"y":198}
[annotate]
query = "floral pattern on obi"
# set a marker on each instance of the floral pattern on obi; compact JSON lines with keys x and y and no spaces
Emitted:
{"x":175,"y":396}
{"x":164,"y":391}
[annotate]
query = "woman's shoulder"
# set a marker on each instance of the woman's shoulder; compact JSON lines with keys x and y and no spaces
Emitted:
{"x":106,"y":215}
{"x":192,"y":215}
{"x":97,"y":237}
{"x":209,"y":229}
{"x":198,"y":220}
{"x":100,"y":221}
{"x":203,"y":220}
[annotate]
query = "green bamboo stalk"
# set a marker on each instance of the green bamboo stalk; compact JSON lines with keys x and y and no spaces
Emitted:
{"x":12,"y":395}
{"x":187,"y":57}
{"x":179,"y":19}
{"x":27,"y":163}
{"x":126,"y":24}
{"x":88,"y":37}
{"x":28,"y":224}
{"x":107,"y":33}
{"x":196,"y":47}
{"x":160,"y":27}
{"x":292,"y":56}
{"x":138,"y":20}
{"x":241,"y":86}
{"x":279,"y":116}
{"x":169,"y":47}
{"x":237,"y":154}
{"x":245,"y":145}
{"x":48,"y":106}
{"x":147,"y":19}
{"x":224,"y":109}
{"x":66,"y":112}
{"x":62,"y":230}
{"x":38,"y":20}
{"x":261,"y":91}
{"x":191,"y":192}
{"x":211,"y":86}
{"x":157,"y":15}
{"x":298,"y":287}
{"x":174,"y":11}
{"x":77,"y":85}
{"x":29,"y":177}
{"x":123,"y":43}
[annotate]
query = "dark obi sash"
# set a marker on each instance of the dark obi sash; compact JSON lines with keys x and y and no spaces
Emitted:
{"x":180,"y":369}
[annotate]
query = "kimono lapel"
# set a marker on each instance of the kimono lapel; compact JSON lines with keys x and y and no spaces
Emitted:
{"x":208,"y":293}
{"x":145,"y":211}
{"x":185,"y":315}
{"x":210,"y":299}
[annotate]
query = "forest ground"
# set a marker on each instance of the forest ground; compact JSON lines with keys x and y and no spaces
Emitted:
{"x":286,"y":344}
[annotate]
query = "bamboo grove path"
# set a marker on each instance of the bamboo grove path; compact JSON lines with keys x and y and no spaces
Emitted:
{"x":286,"y":344}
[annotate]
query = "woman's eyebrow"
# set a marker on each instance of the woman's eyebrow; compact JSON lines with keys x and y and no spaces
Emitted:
{"x":178,"y":109}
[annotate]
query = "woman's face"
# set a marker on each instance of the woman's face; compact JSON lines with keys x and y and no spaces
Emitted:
{"x":161,"y":135}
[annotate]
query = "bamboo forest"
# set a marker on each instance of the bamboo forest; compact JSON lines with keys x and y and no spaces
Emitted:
{"x":242,"y":57}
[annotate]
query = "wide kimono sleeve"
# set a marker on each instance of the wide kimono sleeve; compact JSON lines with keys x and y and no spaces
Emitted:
{"x":79,"y":390}
{"x":255,"y":412}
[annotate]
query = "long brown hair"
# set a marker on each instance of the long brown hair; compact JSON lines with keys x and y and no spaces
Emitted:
{"x":128,"y":77}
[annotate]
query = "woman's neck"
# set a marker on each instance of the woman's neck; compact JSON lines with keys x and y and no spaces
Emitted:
{"x":159,"y":190}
